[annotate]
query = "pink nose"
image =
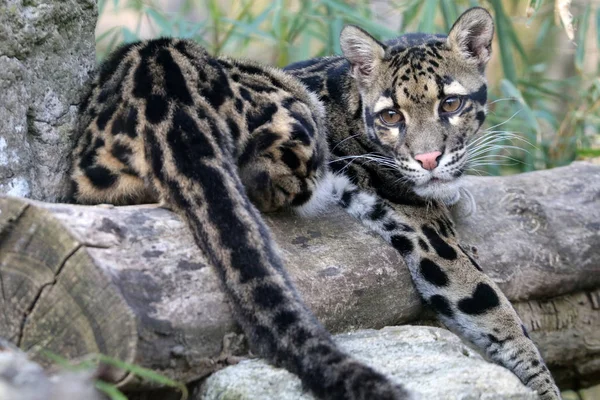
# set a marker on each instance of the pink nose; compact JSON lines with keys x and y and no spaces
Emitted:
{"x":428,"y":160}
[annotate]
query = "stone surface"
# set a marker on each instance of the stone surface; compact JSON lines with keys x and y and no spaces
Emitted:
{"x":129,"y":281}
{"x":46,"y":51}
{"x":431,"y":362}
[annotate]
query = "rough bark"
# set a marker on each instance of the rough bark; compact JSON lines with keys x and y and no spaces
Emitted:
{"x":129,"y":282}
{"x":46,"y":51}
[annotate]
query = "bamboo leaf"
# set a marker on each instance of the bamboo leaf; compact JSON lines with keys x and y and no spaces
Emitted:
{"x":503,"y":25}
{"x":410,"y":14}
{"x":163,"y":23}
{"x":450,"y":13}
{"x":428,"y":16}
{"x":128,"y":35}
{"x":581,"y":38}
{"x":510,"y":90}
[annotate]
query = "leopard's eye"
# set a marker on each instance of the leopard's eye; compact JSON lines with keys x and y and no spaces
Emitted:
{"x":391,"y":117}
{"x":451,"y":104}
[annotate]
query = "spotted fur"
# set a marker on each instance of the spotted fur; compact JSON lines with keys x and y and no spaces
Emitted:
{"x":164,"y":121}
{"x":380,"y":180}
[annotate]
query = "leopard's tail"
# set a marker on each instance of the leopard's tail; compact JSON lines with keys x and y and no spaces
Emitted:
{"x":195,"y":176}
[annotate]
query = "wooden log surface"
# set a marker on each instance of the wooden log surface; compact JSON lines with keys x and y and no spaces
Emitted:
{"x":129,"y":281}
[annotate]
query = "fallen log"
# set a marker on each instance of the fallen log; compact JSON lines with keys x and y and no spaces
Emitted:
{"x":129,"y":282}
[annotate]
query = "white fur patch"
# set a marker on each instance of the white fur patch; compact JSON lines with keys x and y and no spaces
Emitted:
{"x":455,"y":88}
{"x":382,"y":104}
{"x":454,"y":119}
{"x":327,"y":194}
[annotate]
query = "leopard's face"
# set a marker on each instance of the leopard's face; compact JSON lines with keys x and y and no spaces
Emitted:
{"x":423,"y":98}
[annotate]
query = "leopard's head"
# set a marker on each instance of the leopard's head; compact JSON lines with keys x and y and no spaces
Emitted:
{"x":423,"y":98}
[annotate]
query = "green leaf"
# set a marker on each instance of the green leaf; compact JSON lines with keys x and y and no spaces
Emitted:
{"x":410,"y":14}
{"x":504,"y":26}
{"x":584,"y":24}
{"x":534,"y":5}
{"x":508,"y":89}
{"x":428,"y":16}
{"x":128,"y":35}
{"x":588,"y":152}
{"x":110,"y":390}
{"x":161,"y":21}
{"x":450,"y":13}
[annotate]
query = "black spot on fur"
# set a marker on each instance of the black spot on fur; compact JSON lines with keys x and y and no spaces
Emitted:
{"x":110,"y":66}
{"x":131,"y":123}
{"x":433,"y":273}
{"x":483,"y":300}
{"x":154,"y":151}
{"x":442,"y":248}
{"x":118,"y":125}
{"x":89,"y":157}
{"x":121,"y":152}
{"x":218,"y":90}
{"x":300,"y":336}
{"x":284,"y":319}
{"x":142,"y":79}
{"x":423,"y":245}
{"x":173,"y":78}
{"x":257,"y":144}
{"x":261,"y":118}
{"x":239,"y":105}
{"x":268,"y":296}
{"x":260,"y":88}
{"x":156,"y":108}
{"x":245,"y":94}
{"x":290,"y":158}
{"x":101,"y":177}
{"x":378,"y":212}
{"x":403,"y":244}
{"x":310,"y":130}
{"x":480,"y":116}
{"x":480,"y":96}
{"x":441,"y":305}
{"x":390,"y":226}
{"x":347,"y":198}
{"x":314,"y":83}
{"x":105,"y":116}
{"x":301,"y":198}
{"x":300,"y":133}
{"x":188,"y":144}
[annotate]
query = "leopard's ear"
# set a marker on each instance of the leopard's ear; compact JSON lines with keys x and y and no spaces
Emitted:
{"x":471,"y":35}
{"x":363,"y":51}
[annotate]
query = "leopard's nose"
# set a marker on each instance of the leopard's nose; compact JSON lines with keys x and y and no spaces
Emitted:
{"x":429,"y":160}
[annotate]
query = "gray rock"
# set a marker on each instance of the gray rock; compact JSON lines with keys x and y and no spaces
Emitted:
{"x":46,"y":51}
{"x":431,"y":362}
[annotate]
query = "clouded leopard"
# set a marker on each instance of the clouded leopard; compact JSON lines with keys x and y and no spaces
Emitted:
{"x":215,"y":139}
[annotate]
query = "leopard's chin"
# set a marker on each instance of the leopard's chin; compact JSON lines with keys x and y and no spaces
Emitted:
{"x":446,"y":191}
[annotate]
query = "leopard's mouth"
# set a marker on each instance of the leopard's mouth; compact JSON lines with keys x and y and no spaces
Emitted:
{"x":438,"y":188}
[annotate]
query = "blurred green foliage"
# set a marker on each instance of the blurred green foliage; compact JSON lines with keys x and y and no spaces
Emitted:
{"x":541,"y":118}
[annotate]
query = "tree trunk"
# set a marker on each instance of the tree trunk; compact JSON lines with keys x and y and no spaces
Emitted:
{"x":129,"y":281}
